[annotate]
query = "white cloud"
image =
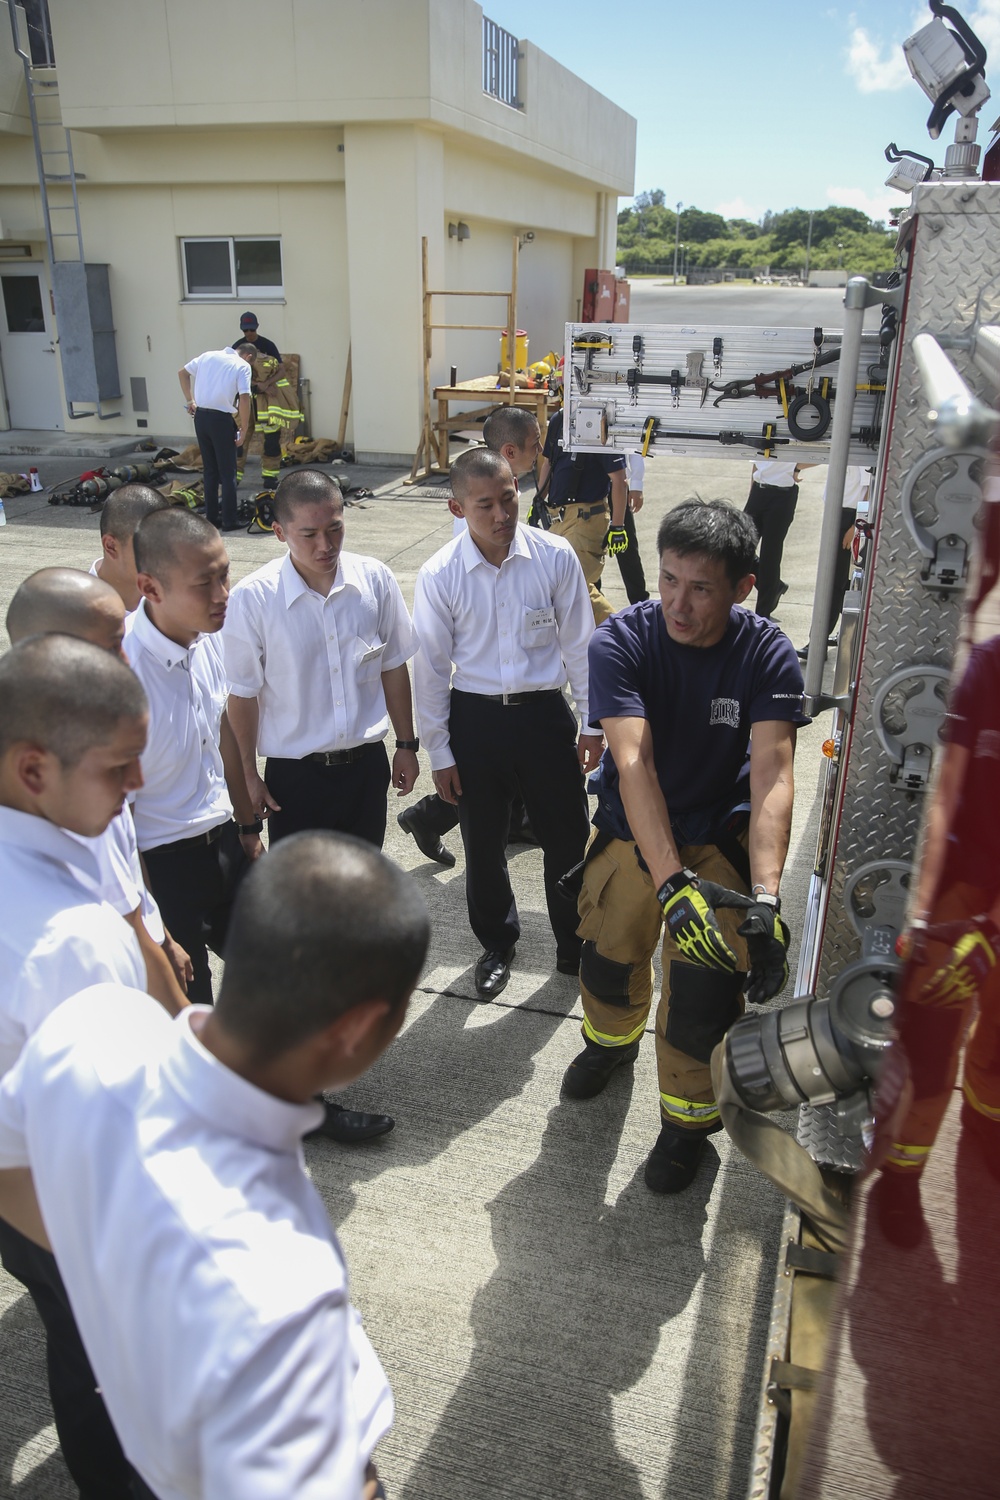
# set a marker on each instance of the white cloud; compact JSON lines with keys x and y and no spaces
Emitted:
{"x":739,"y":208}
{"x":875,"y":67}
{"x":875,"y":205}
{"x":985,"y":22}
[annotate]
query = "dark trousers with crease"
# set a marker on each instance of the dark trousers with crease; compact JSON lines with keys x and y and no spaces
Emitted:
{"x":88,"y":1440}
{"x":499,"y":750}
{"x":216,"y":434}
{"x":195,"y":886}
{"x":342,"y":799}
{"x":771,"y":508}
{"x":630,"y":564}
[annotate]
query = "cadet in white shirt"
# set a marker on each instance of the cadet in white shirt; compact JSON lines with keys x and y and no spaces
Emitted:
{"x":70,"y":602}
{"x":316,"y":645}
{"x":214,"y":384}
{"x":120,"y":515}
{"x":72,"y":725}
{"x":195,"y":854}
{"x":210,"y":1288}
{"x":507,"y":607}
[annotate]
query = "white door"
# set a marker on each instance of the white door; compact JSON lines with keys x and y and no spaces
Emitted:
{"x":28,"y":349}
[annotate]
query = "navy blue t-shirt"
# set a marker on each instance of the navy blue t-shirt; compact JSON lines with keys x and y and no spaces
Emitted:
{"x":594,"y":473}
{"x":700,"y":703}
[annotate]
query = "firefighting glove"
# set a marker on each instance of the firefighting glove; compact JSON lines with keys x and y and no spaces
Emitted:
{"x":688,"y":903}
{"x":616,"y":540}
{"x":967,"y":967}
{"x":767,"y":949}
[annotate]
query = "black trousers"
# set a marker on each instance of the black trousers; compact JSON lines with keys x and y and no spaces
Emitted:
{"x":89,"y":1442}
{"x":216,"y":434}
{"x":630,"y":564}
{"x":195,"y":885}
{"x":500,"y":750}
{"x":440,"y":817}
{"x":771,"y":509}
{"x":841,"y":572}
{"x":343,"y":799}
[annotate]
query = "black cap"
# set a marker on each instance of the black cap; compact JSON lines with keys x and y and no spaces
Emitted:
{"x":249,"y":320}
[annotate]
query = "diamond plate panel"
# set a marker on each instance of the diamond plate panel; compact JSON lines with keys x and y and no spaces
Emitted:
{"x":818,"y":1130}
{"x":952,"y":285}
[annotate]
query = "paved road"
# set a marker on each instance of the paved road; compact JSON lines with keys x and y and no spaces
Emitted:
{"x":748,"y":306}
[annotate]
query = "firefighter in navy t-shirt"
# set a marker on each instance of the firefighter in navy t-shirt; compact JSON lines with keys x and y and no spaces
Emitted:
{"x":693,"y":812}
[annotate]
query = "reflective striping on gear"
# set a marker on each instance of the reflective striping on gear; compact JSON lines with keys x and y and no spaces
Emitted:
{"x":604,"y":1040}
{"x":907,"y":1158}
{"x":687,"y":1109}
{"x":987,"y":1111}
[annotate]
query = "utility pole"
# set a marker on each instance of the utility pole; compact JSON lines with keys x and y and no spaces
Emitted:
{"x":809,"y":245}
{"x":677,"y":239}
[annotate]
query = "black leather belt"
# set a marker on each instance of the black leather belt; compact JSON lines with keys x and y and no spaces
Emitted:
{"x":342,"y":757}
{"x":196,"y":840}
{"x":514,"y":700}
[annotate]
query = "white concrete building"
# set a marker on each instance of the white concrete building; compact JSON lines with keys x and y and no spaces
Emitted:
{"x":287,"y":156}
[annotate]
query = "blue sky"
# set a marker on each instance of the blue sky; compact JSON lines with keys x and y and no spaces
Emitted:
{"x":742,"y":107}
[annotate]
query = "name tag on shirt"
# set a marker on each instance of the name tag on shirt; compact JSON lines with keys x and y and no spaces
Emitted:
{"x":539,"y":619}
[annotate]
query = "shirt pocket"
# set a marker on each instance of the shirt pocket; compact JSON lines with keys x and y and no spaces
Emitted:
{"x":368,"y":658}
{"x":538,"y":626}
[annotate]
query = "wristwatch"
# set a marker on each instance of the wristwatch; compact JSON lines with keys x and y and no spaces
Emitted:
{"x":763,"y":897}
{"x":247,"y":828}
{"x":407,"y":744}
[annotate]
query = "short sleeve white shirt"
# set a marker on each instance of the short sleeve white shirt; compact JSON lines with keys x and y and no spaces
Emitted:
{"x":208,"y":1286}
{"x":778,"y":476}
{"x":56,"y":937}
{"x":522,"y":627}
{"x":219,"y":377}
{"x":120,"y":882}
{"x":184,"y":789}
{"x":315,"y":663}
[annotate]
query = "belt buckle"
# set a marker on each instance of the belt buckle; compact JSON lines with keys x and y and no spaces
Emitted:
{"x":507,"y":699}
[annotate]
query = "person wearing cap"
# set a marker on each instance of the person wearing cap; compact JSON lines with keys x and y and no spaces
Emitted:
{"x":250,"y":335}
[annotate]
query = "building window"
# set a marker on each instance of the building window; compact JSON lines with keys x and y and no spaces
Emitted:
{"x":500,"y":59}
{"x":220,"y":268}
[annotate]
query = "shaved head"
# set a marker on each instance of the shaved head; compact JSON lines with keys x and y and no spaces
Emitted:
{"x":125,"y":508}
{"x":65,"y":696}
{"x":304,"y":487}
{"x":66,"y":601}
{"x":162,"y":536}
{"x":475,"y":464}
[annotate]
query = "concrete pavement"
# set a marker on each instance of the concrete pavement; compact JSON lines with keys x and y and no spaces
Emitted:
{"x":547,"y":1324}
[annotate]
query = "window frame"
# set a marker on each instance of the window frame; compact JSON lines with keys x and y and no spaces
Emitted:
{"x":240,"y":292}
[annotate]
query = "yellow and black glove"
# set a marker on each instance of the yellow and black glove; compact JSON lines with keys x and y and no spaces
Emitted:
{"x":616,"y":540}
{"x":968,"y":965}
{"x":688,"y":907}
{"x":767,"y":939}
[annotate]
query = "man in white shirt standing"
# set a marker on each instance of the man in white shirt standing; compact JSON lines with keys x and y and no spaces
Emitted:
{"x":120,"y":515}
{"x":507,"y":608}
{"x":216,"y":384}
{"x":72,"y":726}
{"x":195,"y":853}
{"x":316,"y":648}
{"x":68,"y":602}
{"x":210,"y":1287}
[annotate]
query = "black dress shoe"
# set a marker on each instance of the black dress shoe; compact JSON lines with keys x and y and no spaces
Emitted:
{"x":350,"y":1126}
{"x":429,"y":844}
{"x":590,"y":1070}
{"x":567,"y":963}
{"x":673,"y":1162}
{"x":493,"y":972}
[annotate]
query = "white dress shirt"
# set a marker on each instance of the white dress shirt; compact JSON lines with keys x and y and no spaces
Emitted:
{"x":522,"y":627}
{"x":315,"y":663}
{"x":120,"y":879}
{"x":56,"y":937}
{"x":219,"y":376}
{"x":185,"y":782}
{"x":208,"y":1286}
{"x":778,"y":476}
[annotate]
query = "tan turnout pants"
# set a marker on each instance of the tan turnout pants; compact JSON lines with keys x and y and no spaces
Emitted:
{"x":621,"y":922}
{"x":585,"y":527}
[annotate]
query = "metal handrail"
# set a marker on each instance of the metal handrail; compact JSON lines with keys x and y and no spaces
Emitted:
{"x":956,"y":413}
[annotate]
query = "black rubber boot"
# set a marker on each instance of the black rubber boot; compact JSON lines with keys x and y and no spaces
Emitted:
{"x":590,"y":1070}
{"x":672,"y":1165}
